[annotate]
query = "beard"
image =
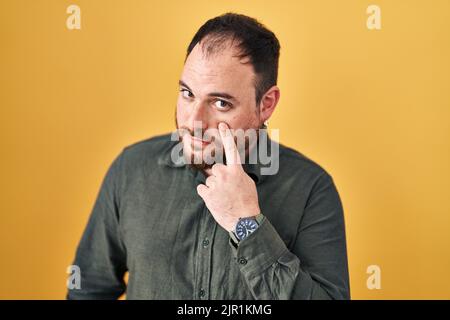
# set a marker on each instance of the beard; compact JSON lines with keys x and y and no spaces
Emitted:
{"x":196,"y":156}
{"x":205,"y":156}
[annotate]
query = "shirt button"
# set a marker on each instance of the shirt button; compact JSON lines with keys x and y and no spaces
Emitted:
{"x":243,"y":261}
{"x":205,"y":243}
{"x":201,"y":293}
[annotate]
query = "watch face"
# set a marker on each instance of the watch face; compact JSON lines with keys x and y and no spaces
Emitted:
{"x":244,"y":227}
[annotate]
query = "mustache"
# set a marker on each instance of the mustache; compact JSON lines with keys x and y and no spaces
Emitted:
{"x":199,"y":132}
{"x":206,"y":134}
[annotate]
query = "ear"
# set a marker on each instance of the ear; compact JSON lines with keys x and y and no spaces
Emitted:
{"x":268,"y":103}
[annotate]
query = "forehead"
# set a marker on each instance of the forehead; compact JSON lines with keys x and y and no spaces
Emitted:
{"x":218,"y":71}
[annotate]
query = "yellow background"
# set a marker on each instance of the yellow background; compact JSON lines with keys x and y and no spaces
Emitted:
{"x":372,"y":107}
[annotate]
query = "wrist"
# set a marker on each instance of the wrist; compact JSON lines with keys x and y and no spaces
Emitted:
{"x":245,"y":226}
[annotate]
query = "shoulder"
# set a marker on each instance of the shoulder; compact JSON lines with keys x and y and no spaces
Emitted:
{"x":300,"y":174}
{"x":305,"y":179}
{"x":145,"y":152}
{"x":148,"y":148}
{"x":295,"y":163}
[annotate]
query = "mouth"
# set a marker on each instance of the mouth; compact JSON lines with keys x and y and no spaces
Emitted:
{"x":199,"y":142}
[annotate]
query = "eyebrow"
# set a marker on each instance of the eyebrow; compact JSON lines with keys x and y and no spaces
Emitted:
{"x":211,"y":94}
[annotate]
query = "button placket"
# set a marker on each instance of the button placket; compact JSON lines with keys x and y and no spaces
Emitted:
{"x":207,"y":231}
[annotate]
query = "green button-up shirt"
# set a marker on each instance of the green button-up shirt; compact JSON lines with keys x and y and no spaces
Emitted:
{"x":149,"y":220}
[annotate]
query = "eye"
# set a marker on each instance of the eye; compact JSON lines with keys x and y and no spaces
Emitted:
{"x":186,"y":93}
{"x":222,"y":104}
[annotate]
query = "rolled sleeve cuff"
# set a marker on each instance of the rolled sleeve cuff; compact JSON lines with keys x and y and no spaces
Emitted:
{"x":260,"y":250}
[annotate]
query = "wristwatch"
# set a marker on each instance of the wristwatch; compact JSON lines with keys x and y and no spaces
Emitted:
{"x":244,"y":227}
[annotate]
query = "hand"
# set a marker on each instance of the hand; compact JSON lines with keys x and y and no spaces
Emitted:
{"x":229,"y":193}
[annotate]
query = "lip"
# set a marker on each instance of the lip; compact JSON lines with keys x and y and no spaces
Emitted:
{"x":200,"y":141}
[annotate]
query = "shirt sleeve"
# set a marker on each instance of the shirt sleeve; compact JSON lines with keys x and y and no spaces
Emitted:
{"x":316,"y":265}
{"x":101,"y":255}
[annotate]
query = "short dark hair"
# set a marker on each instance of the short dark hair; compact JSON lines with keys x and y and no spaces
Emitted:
{"x":255,"y":42}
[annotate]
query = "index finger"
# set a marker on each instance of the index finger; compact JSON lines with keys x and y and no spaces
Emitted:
{"x":231,"y":150}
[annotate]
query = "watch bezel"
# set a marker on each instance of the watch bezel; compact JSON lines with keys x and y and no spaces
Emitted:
{"x":241,"y":223}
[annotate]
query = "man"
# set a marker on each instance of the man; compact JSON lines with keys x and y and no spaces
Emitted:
{"x":202,"y":228}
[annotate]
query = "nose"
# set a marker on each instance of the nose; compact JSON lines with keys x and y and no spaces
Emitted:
{"x":199,"y":117}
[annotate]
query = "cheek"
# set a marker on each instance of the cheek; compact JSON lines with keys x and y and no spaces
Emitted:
{"x":182,"y":114}
{"x":244,"y":120}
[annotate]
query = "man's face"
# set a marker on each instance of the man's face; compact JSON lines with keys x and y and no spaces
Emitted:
{"x":213,"y":89}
